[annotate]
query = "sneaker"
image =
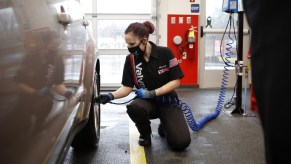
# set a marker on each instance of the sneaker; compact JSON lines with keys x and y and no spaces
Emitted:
{"x":161,"y":130}
{"x":144,"y":141}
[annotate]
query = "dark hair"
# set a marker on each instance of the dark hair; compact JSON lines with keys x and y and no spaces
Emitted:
{"x":140,"y":30}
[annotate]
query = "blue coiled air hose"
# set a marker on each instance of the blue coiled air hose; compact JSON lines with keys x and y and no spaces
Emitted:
{"x":196,"y":126}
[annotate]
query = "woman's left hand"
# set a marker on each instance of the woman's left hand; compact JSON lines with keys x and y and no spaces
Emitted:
{"x":144,"y":93}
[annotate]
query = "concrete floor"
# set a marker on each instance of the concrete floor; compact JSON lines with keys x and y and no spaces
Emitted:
{"x":230,"y":138}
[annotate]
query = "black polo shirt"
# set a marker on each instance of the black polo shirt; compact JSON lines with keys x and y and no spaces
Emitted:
{"x":161,"y":68}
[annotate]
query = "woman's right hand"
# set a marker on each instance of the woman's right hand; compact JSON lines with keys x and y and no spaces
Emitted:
{"x":104,"y":98}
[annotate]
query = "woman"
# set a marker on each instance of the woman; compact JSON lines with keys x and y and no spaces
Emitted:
{"x":156,"y":73}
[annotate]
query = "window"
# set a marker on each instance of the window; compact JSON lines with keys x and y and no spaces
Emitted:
{"x":124,"y":6}
{"x":110,"y":19}
{"x":219,"y":20}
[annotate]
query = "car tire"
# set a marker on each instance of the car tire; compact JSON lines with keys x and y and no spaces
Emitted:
{"x":88,"y":137}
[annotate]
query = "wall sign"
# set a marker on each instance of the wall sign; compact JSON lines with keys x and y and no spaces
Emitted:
{"x":195,"y":8}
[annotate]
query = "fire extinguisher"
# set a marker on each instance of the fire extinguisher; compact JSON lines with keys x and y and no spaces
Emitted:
{"x":190,"y":41}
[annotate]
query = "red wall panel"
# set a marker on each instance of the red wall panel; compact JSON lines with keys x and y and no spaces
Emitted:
{"x":178,"y":25}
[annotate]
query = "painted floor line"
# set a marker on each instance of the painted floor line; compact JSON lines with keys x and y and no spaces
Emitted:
{"x":137,"y":153}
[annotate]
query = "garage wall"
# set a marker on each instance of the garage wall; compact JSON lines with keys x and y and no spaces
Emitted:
{"x":172,"y":7}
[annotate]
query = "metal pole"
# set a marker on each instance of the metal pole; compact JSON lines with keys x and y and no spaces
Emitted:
{"x":238,"y":103}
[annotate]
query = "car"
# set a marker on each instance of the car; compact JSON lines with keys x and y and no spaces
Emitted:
{"x":49,"y":81}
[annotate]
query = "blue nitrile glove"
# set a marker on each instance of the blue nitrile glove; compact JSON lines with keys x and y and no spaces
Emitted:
{"x":144,"y":93}
{"x":104,"y":98}
{"x":43,"y":91}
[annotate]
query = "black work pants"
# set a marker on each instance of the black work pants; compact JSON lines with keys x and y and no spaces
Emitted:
{"x":141,"y":111}
{"x":270,"y":61}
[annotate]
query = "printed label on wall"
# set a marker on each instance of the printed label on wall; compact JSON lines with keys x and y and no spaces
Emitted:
{"x":195,"y":8}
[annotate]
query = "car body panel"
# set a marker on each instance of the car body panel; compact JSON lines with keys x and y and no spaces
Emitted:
{"x":38,"y":123}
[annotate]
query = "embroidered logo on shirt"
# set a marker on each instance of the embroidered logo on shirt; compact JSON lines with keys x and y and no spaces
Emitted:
{"x":173,"y":62}
{"x":139,"y":75}
{"x":160,"y":67}
{"x":163,"y":70}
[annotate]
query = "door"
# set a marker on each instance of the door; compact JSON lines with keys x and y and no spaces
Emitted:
{"x":186,"y":49}
{"x":218,"y":46}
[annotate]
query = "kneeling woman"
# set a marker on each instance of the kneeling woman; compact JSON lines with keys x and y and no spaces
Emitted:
{"x":156,"y":73}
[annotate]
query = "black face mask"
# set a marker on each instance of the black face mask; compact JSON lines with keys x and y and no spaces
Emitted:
{"x":136,"y":50}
